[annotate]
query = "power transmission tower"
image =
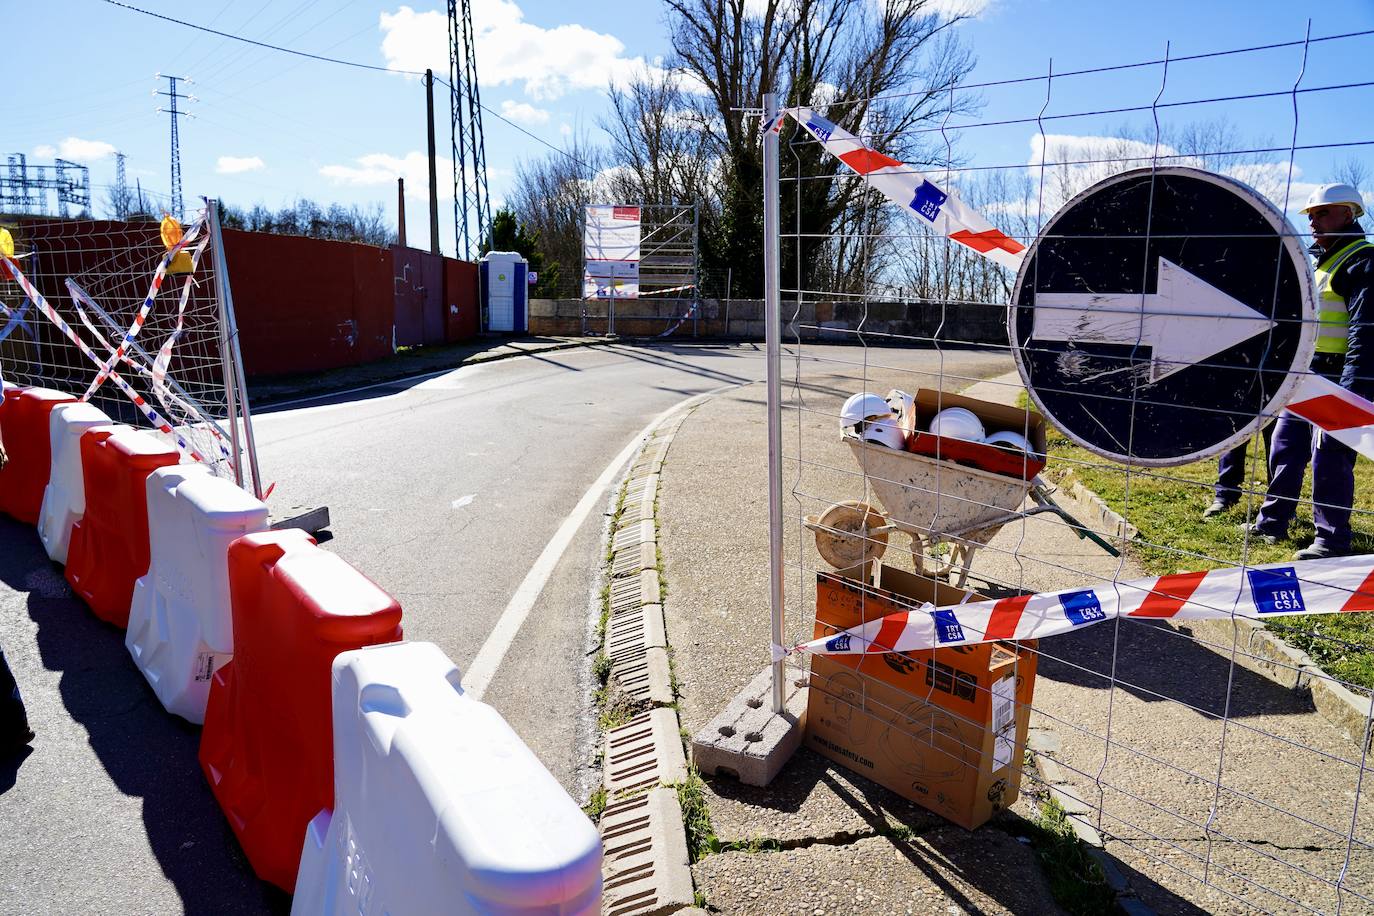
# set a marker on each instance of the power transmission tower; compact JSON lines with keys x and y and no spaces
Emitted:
{"x":120,"y":198}
{"x":471,"y":202}
{"x":172,"y":95}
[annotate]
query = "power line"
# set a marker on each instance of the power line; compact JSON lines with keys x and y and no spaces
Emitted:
{"x":263,"y":44}
{"x":343,"y":63}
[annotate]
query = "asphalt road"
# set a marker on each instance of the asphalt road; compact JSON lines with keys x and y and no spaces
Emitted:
{"x":458,"y":494}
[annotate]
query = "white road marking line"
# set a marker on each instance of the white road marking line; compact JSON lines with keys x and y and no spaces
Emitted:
{"x":463,"y":500}
{"x":483,"y":668}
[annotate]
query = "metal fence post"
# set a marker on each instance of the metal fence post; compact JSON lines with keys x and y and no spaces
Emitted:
{"x":772,"y":304}
{"x":233,"y":356}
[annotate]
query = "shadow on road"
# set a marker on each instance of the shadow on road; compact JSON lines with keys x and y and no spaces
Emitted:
{"x":146,"y":752}
{"x":1157,"y":663}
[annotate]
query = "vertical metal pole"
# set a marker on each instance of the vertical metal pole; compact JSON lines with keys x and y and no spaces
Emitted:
{"x":230,"y":332}
{"x":433,"y":175}
{"x":401,"y":211}
{"x":772,"y":306}
{"x":226,"y":363}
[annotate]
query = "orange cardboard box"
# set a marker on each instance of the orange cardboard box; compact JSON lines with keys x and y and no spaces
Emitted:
{"x":945,"y":728}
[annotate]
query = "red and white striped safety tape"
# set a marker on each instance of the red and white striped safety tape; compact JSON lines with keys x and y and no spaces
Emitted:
{"x":9,"y":268}
{"x":1338,"y":585}
{"x":163,"y":392}
{"x":107,"y":365}
{"x":1341,"y":414}
{"x":911,"y":190}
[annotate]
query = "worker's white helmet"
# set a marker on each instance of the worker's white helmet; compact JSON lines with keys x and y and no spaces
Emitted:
{"x":957,"y":423}
{"x":863,"y":406}
{"x":1341,"y":193}
{"x":885,"y":432}
{"x":1010,"y":440}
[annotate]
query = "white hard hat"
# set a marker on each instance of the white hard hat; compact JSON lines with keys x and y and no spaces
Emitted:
{"x":885,"y":432}
{"x":957,"y":423}
{"x":1329,"y":194}
{"x":1009,"y":439}
{"x":863,"y":406}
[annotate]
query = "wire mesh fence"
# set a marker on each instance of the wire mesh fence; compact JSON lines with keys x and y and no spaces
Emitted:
{"x":130,"y":319}
{"x":1210,"y":760}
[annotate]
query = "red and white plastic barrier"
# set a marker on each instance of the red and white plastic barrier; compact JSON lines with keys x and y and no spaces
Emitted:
{"x":109,"y":547}
{"x":180,"y":624}
{"x":267,"y":748}
{"x":64,"y":498}
{"x":24,"y":429}
{"x":439,"y":807}
{"x":1336,"y":586}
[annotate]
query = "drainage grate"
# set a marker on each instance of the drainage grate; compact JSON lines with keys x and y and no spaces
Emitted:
{"x":644,"y":752}
{"x":634,"y":560}
{"x":645,"y":867}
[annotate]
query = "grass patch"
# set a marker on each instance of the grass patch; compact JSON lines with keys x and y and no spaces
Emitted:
{"x":1075,"y":880}
{"x":595,"y":805}
{"x":1166,"y":505}
{"x":696,"y":817}
{"x":601,"y":668}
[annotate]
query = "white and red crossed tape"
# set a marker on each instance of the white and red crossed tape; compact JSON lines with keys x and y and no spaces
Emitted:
{"x":1337,"y":585}
{"x":10,"y":268}
{"x":910,"y":189}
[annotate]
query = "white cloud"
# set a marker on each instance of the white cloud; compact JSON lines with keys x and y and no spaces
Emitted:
{"x":524,"y":113}
{"x":384,"y":168}
{"x":565,"y":129}
{"x":547,"y":62}
{"x":233,"y":165}
{"x":77,"y":150}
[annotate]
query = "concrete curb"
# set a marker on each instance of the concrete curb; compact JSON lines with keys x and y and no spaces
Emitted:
{"x":647,"y":867}
{"x":1111,"y":521}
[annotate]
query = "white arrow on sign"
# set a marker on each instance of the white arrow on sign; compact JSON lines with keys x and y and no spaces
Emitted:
{"x":1185,"y":322}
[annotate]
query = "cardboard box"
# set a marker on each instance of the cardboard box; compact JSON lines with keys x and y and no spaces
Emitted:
{"x":945,"y":728}
{"x":996,"y":418}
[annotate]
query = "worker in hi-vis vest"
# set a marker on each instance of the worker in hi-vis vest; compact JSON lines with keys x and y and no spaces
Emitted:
{"x":1345,"y":353}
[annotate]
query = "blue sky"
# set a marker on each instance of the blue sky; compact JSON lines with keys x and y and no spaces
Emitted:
{"x":270,"y":127}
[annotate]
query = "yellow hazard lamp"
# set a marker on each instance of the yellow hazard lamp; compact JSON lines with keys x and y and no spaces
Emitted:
{"x":171,"y":235}
{"x":6,"y":251}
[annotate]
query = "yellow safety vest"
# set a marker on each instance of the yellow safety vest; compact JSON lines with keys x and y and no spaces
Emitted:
{"x":1333,"y":321}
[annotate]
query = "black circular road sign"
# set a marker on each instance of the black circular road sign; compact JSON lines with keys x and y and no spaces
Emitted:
{"x":1162,"y":315}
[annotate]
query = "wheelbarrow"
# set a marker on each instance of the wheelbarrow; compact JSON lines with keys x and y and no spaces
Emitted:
{"x":935,"y":502}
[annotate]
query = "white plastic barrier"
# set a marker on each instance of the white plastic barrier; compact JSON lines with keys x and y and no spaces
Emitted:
{"x":64,"y":499}
{"x":180,"y":626}
{"x":439,"y":807}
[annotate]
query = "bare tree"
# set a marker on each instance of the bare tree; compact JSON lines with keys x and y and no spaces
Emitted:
{"x":838,"y":55}
{"x":1354,"y":172}
{"x":550,"y":201}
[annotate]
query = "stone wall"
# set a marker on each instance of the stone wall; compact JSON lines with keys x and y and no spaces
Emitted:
{"x":742,"y":319}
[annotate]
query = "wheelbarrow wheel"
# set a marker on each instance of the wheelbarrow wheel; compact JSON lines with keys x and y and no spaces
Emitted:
{"x":849,"y":533}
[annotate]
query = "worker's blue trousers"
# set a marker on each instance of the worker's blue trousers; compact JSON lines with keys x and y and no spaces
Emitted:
{"x":1333,"y":482}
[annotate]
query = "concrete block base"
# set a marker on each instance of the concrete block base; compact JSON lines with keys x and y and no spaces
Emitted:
{"x":746,"y":740}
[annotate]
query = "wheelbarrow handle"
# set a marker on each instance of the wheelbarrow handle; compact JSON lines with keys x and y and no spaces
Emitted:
{"x":1045,"y":503}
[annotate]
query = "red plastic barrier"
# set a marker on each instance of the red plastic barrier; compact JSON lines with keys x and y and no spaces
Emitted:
{"x":24,"y":429}
{"x":109,"y":549}
{"x":267,"y":748}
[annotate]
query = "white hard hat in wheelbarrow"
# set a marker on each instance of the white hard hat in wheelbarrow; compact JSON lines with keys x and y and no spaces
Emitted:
{"x":1010,"y":440}
{"x":957,"y":423}
{"x":863,"y":406}
{"x":885,"y":432}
